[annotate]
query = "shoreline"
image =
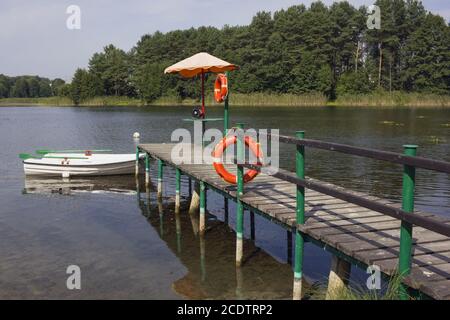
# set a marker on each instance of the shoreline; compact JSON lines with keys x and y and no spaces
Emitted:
{"x":379,"y":100}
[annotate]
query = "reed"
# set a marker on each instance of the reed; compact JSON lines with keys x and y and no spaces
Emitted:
{"x":111,"y":101}
{"x":376,"y":99}
{"x":43,"y":101}
{"x":393,"y":99}
{"x":390,"y":291}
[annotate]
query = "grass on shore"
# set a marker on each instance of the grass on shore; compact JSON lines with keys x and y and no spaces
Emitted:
{"x":376,"y":99}
{"x":252,"y":100}
{"x":43,"y":101}
{"x":390,"y":291}
{"x":393,"y":99}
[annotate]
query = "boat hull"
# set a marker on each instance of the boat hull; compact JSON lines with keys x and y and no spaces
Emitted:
{"x":100,"y":165}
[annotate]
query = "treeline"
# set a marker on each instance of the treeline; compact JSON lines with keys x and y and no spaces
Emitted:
{"x":31,"y":87}
{"x":315,"y":49}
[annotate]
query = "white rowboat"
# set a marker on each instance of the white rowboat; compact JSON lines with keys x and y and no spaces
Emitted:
{"x":80,"y":164}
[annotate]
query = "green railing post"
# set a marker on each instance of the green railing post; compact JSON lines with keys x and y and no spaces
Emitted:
{"x":225,"y":110}
{"x":160,"y":178}
{"x":202,"y":224}
{"x":147,"y":169}
{"x":240,"y":192}
{"x":177,"y":189}
{"x":300,"y":219}
{"x":137,"y":162}
{"x":404,"y":261}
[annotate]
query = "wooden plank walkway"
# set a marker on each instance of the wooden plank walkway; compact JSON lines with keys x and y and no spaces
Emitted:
{"x":363,"y":235}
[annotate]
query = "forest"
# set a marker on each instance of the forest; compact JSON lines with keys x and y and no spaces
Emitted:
{"x":321,"y":49}
{"x":31,"y":87}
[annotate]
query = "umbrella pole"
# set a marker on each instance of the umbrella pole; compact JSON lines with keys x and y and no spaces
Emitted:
{"x":203,"y":94}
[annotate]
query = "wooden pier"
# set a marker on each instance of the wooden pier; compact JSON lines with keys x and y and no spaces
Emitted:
{"x":356,"y":228}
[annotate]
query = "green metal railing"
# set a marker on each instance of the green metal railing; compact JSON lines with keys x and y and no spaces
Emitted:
{"x":406,"y":214}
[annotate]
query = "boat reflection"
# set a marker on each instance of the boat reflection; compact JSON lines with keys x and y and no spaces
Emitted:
{"x":102,"y":184}
{"x":210,"y":259}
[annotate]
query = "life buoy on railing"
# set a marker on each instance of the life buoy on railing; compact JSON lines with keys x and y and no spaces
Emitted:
{"x":219,"y":167}
{"x":221,"y":88}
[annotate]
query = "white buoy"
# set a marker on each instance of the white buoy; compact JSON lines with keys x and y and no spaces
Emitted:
{"x":136,"y":135}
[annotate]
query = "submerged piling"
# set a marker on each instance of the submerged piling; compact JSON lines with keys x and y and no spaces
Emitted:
{"x":177,"y":189}
{"x":202,"y":222}
{"x":160,"y":177}
{"x":147,"y":170}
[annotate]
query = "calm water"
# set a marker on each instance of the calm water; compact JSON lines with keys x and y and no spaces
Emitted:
{"x":128,"y":248}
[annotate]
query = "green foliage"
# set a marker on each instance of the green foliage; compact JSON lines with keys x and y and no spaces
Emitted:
{"x":300,"y":50}
{"x":112,"y":67}
{"x":20,"y":89}
{"x":25,"y":87}
{"x":148,"y":81}
{"x":85,"y":85}
{"x":354,"y":83}
{"x":427,"y":57}
{"x":57,"y":87}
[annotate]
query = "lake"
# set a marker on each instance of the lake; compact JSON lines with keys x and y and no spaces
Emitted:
{"x":127,"y":248}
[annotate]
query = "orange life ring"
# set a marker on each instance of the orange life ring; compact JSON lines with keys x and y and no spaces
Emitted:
{"x":221,"y":88}
{"x":218,"y":152}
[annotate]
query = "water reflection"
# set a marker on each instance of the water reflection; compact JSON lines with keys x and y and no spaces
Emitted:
{"x":210,"y":259}
{"x":107,"y":184}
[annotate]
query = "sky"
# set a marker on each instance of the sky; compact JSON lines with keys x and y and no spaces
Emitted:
{"x":35,"y":40}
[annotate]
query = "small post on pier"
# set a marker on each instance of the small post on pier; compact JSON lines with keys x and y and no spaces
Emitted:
{"x":147,"y":170}
{"x":404,"y":261}
{"x":160,"y":177}
{"x":136,"y":171}
{"x":300,"y":219}
{"x":202,"y":224}
{"x":240,"y":192}
{"x":177,"y":189}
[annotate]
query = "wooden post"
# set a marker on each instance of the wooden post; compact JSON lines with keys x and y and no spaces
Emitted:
{"x":240,"y":192}
{"x":195,"y":200}
{"x":160,"y":178}
{"x":177,"y":189}
{"x":202,"y":222}
{"x":338,"y":278}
